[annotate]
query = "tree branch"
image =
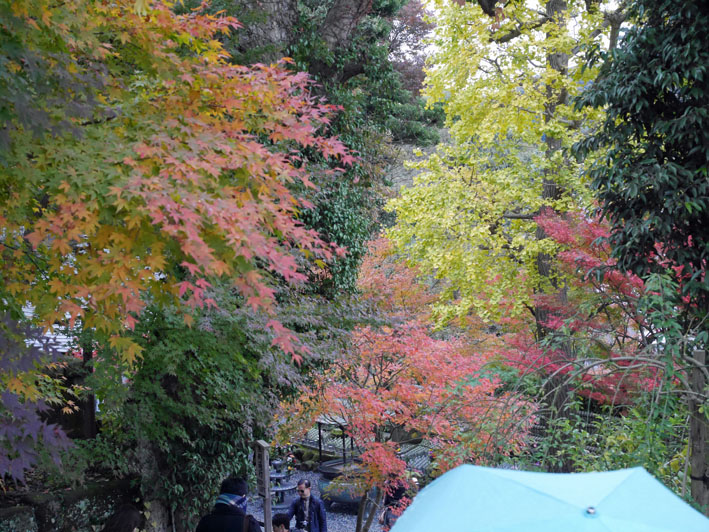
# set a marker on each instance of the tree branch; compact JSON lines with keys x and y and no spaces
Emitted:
{"x":507,"y":37}
{"x":520,"y":216}
{"x":614,"y":19}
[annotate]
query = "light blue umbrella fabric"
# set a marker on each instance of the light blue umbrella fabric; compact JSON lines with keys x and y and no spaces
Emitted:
{"x":482,"y":499}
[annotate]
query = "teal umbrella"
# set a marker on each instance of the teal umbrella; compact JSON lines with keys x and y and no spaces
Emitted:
{"x":482,"y":499}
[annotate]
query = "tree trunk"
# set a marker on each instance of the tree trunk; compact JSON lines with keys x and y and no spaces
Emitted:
{"x":699,"y":434}
{"x":368,"y":510}
{"x":557,"y":389}
{"x":341,"y":21}
{"x":269,"y":27}
{"x":337,"y":31}
{"x":156,"y":511}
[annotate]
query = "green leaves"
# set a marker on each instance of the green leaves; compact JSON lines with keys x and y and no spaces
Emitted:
{"x":652,"y":178}
{"x":197,"y":397}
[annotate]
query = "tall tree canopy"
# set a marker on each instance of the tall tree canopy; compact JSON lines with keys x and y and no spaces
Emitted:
{"x":471,"y":217}
{"x":652,"y":178}
{"x":141,"y":167}
{"x":505,"y":84}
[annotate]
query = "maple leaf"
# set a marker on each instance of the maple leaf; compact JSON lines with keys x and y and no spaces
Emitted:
{"x":34,"y":238}
{"x":194,"y":269}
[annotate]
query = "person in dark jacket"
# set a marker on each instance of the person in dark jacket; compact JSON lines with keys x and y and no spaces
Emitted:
{"x":309,"y":511}
{"x":230,"y":510}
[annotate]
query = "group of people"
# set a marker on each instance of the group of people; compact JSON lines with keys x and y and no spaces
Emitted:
{"x":229,"y":513}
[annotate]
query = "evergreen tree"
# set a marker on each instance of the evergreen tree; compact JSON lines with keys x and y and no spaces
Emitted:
{"x":651,"y":178}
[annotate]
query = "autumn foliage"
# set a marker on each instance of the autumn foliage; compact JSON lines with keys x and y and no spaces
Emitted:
{"x":601,"y":318}
{"x":181,"y":171}
{"x":141,"y":166}
{"x":391,"y":285}
{"x":399,"y":384}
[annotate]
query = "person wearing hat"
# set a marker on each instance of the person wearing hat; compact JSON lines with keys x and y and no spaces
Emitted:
{"x":229,"y":511}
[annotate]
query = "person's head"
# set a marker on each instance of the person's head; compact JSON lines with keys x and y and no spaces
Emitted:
{"x":303,"y":488}
{"x":280,"y":522}
{"x":234,"y":485}
{"x":126,"y":519}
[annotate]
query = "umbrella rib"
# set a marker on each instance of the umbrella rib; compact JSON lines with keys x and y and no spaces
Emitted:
{"x":531,"y":488}
{"x":614,"y":489}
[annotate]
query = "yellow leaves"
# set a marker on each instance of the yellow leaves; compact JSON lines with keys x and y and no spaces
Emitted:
{"x":14,"y":67}
{"x":16,"y":386}
{"x":119,"y":239}
{"x":15,"y":288}
{"x":155,"y":259}
{"x":474,"y":228}
{"x":451,"y":223}
{"x":19,"y":8}
{"x":23,"y":385}
{"x":215,"y":53}
{"x":61,"y":245}
{"x":127,"y":349}
{"x":220,"y":268}
{"x":141,"y":7}
{"x":134,"y":221}
{"x":57,"y":286}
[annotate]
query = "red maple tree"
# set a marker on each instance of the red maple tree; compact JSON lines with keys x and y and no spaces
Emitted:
{"x":600,"y":318}
{"x":398,"y":384}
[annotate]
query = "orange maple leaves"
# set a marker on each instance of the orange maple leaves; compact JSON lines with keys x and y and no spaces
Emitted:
{"x":400,"y":379}
{"x":195,"y":181}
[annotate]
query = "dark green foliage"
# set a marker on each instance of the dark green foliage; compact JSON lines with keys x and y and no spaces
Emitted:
{"x":183,"y":418}
{"x":344,"y":208}
{"x":196,"y":400}
{"x":413,"y":123}
{"x":343,"y":215}
{"x":372,"y":101}
{"x":652,"y":178}
{"x":652,"y":182}
{"x":387,"y":8}
{"x":651,"y":433}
